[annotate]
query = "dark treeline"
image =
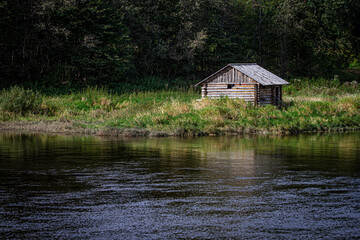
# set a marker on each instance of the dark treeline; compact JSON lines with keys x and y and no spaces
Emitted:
{"x":57,"y":42}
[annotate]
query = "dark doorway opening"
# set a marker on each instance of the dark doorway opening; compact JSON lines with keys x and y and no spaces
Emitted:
{"x":277,"y":96}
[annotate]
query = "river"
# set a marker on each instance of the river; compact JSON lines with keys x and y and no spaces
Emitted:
{"x":243,"y":187}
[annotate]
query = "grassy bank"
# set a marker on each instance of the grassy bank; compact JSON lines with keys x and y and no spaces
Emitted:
{"x":311,"y":105}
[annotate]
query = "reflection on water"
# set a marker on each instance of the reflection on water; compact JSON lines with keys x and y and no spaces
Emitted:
{"x":208,"y":187}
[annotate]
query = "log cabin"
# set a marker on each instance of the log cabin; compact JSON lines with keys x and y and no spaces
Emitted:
{"x":246,"y":81}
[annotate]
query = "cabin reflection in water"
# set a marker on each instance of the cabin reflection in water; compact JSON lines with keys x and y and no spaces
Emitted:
{"x":230,"y":156}
{"x":239,"y":162}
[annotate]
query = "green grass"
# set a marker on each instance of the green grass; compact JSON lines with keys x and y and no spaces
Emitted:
{"x":312,"y":105}
{"x":355,"y":64}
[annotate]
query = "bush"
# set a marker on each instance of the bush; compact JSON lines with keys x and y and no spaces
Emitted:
{"x":20,"y":101}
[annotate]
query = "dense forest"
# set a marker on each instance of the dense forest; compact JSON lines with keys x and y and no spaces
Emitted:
{"x":95,"y":42}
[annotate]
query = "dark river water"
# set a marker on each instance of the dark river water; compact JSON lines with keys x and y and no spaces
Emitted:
{"x":81,"y":187}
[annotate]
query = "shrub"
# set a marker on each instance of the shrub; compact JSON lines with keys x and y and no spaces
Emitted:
{"x":20,"y":101}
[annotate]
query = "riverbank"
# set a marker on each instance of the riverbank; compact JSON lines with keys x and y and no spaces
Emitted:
{"x":72,"y":128}
{"x":311,"y":106}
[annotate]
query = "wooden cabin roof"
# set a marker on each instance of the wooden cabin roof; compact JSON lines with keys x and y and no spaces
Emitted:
{"x":254,"y":71}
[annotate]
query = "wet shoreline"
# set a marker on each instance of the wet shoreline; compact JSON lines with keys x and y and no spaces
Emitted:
{"x":76,"y":128}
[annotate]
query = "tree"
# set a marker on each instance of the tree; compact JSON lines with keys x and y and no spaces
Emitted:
{"x":58,"y":41}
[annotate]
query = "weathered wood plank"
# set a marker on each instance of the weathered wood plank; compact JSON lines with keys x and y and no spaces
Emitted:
{"x":234,"y":86}
{"x":227,"y":83}
{"x":236,"y":93}
{"x":231,"y":90}
{"x":246,"y":100}
{"x":239,"y":97}
{"x":232,"y":95}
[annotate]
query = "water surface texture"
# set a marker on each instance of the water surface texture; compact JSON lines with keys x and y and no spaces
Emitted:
{"x":66,"y":187}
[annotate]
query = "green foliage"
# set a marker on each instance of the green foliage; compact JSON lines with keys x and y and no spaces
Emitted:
{"x":20,"y":101}
{"x":61,"y":42}
{"x":76,"y":43}
{"x":97,"y":46}
{"x":355,"y":64}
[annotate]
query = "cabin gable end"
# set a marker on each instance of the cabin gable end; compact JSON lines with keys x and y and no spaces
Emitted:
{"x":229,"y":75}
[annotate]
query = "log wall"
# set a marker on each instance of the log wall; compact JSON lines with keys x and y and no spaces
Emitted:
{"x":218,"y":90}
{"x":266,"y":95}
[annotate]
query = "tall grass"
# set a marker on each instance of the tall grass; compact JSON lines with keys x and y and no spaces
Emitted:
{"x":320,"y":105}
{"x":320,"y":87}
{"x":20,"y":101}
